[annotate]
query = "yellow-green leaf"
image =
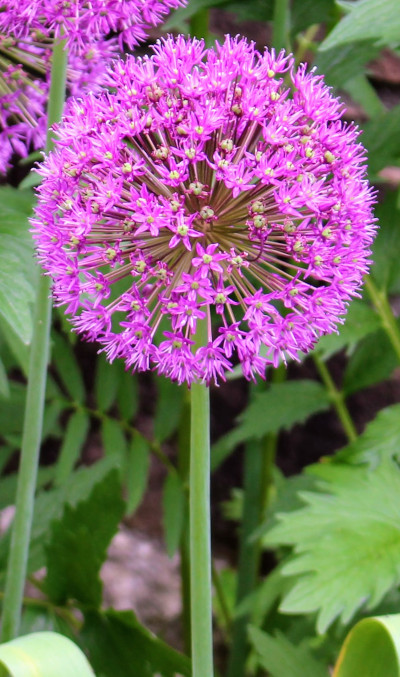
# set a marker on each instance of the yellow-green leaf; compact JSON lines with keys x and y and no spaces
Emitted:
{"x":371,"y":649}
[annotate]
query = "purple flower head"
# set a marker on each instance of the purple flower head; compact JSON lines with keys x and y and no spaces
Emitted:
{"x":79,"y":20}
{"x":25,"y":89}
{"x":205,"y":189}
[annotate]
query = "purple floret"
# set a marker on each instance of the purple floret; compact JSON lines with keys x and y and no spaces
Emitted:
{"x":216,"y":185}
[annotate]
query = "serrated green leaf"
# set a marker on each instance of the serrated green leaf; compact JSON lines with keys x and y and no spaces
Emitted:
{"x":68,"y":367}
{"x":372,"y":361}
{"x":119,"y":646}
{"x":49,"y":506}
{"x":106,"y":383}
{"x":79,"y":542}
{"x":278,"y":408}
{"x":173,"y":512}
{"x":282,"y":658}
{"x":346,"y":543}
{"x":371,"y":649}
{"x":43,"y":654}
{"x":377,"y":20}
{"x":361,"y":320}
{"x":385,"y":251}
{"x":137,"y":471}
{"x":380,"y":440}
{"x":168,"y":408}
{"x":73,"y":441}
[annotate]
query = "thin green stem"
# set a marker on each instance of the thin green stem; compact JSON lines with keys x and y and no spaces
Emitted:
{"x":281,"y":25}
{"x":306,"y":42}
{"x":337,"y":399}
{"x":183,"y":467}
{"x":199,"y":510}
{"x":382,"y":306}
{"x":32,"y":429}
{"x":219,"y":591}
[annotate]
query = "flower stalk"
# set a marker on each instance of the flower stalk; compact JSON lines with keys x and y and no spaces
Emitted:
{"x":32,"y":429}
{"x":382,"y":306}
{"x":200,"y":541}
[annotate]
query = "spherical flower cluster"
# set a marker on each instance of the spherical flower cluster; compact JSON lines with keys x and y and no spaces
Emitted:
{"x":205,"y":189}
{"x":80,"y":20}
{"x":25,"y":67}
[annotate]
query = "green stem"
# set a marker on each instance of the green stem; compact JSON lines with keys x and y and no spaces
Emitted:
{"x":183,"y":467}
{"x":32,"y":429}
{"x":337,"y":399}
{"x":306,"y":42}
{"x":248,"y":552}
{"x":199,"y":510}
{"x":219,"y":591}
{"x":382,"y":306}
{"x":199,"y":23}
{"x":280,"y":25}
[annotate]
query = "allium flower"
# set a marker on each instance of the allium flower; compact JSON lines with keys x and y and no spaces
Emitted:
{"x":80,"y":20}
{"x":205,"y":189}
{"x":25,"y":66}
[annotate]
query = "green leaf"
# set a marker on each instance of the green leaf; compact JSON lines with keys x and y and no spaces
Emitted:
{"x":120,"y":646}
{"x":16,"y":346}
{"x":106,"y":383}
{"x":4,"y":385}
{"x":79,"y":542}
{"x":385,"y":251}
{"x":16,"y":294}
{"x":168,"y":408}
{"x":137,"y":471}
{"x":43,"y":654}
{"x":340,"y":65}
{"x":346,"y":543}
{"x":128,"y":396}
{"x":278,"y":408}
{"x":73,"y":441}
{"x":382,"y":140}
{"x":68,"y":367}
{"x":306,"y":13}
{"x":173,"y":512}
{"x":49,"y":506}
{"x":114,"y":440}
{"x":380,"y":440}
{"x":371,"y":649}
{"x":372,"y":361}
{"x":282,"y":658}
{"x":377,"y":20}
{"x":361,"y":320}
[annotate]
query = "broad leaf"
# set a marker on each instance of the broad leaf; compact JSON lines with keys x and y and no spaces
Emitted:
{"x":278,"y":408}
{"x":114,"y":441}
{"x":380,"y":440}
{"x":340,"y":65}
{"x":346,"y":543}
{"x":43,"y":654}
{"x":282,"y":658}
{"x":79,"y":542}
{"x":377,"y":20}
{"x":371,"y":649}
{"x":381,"y":138}
{"x":306,"y":13}
{"x":107,"y":379}
{"x":119,"y":646}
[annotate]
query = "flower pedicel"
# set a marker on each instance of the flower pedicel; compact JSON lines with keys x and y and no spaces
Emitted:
{"x":204,"y":187}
